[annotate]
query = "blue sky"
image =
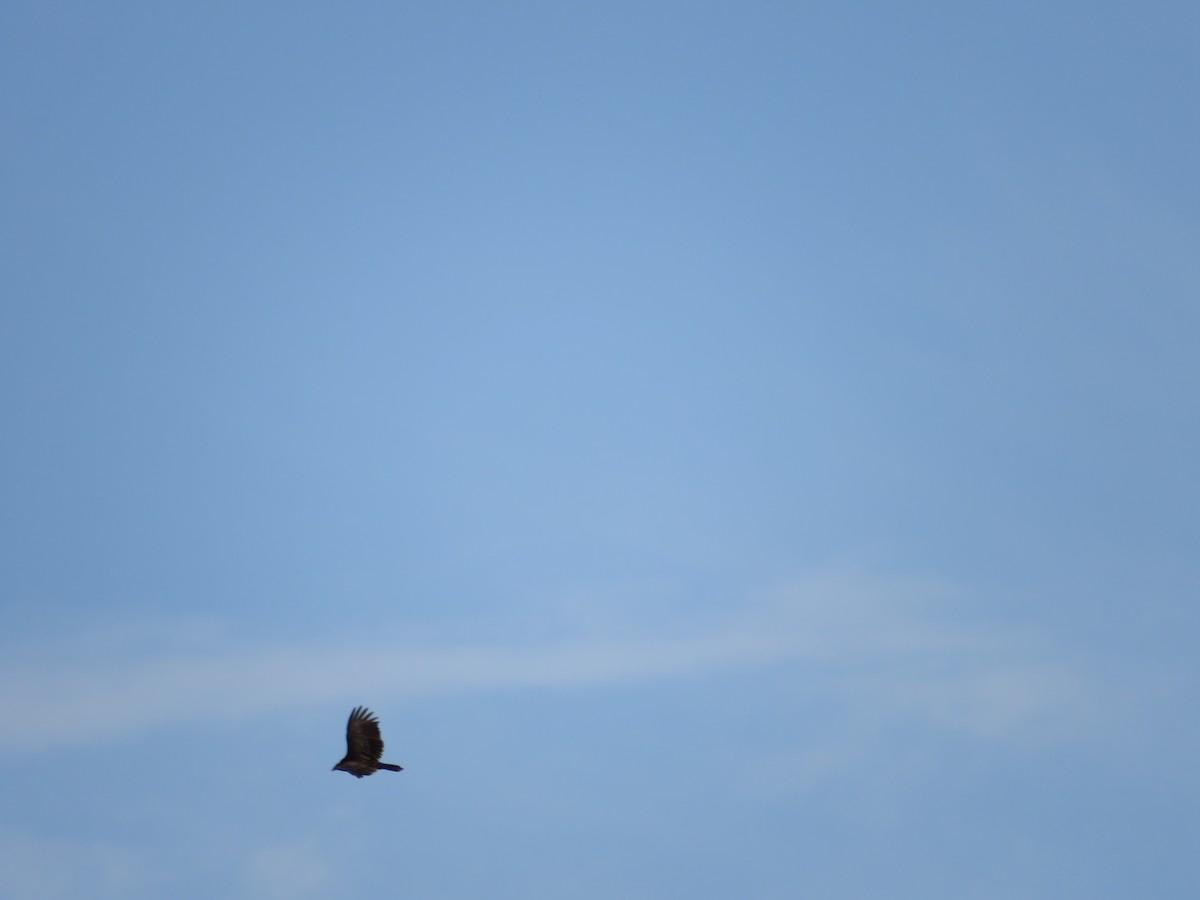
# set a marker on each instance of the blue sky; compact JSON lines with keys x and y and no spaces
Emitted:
{"x":739,"y":450}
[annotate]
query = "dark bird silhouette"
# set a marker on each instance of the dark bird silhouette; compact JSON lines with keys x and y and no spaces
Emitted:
{"x":364,"y":746}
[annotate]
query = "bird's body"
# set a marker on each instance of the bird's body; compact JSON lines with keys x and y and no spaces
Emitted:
{"x":364,"y":745}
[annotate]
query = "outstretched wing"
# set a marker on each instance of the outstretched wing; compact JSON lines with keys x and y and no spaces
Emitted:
{"x":363,"y":741}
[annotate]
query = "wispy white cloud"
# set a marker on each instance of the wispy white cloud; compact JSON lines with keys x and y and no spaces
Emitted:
{"x":1001,"y":698}
{"x":849,"y":631}
{"x":291,"y":871}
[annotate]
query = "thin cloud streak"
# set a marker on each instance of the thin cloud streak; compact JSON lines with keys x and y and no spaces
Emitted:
{"x":839,"y":628}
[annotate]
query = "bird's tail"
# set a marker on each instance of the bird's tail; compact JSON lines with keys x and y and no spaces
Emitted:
{"x":391,"y":767}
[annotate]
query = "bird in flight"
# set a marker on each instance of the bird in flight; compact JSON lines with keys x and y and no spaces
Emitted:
{"x":364,"y":746}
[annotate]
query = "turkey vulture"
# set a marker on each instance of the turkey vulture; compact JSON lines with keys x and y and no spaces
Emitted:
{"x":364,"y":746}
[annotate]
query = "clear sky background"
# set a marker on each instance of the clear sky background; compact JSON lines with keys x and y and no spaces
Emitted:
{"x":738,"y":449}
